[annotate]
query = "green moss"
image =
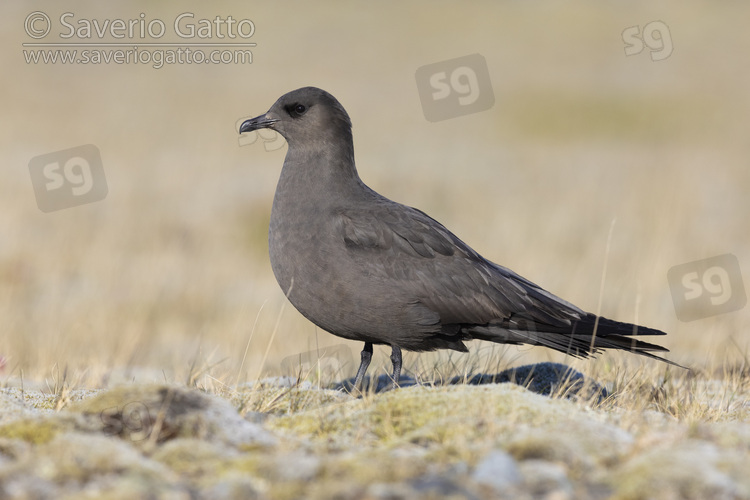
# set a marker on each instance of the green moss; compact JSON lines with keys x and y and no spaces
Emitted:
{"x":248,"y":464}
{"x":287,"y":490}
{"x":339,"y":446}
{"x":325,"y":423}
{"x":557,"y":447}
{"x":393,"y":416}
{"x":179,"y":399}
{"x":689,"y":470}
{"x":376,"y":465}
{"x":135,"y":413}
{"x":192,"y":457}
{"x":32,"y":430}
{"x":421,"y":415}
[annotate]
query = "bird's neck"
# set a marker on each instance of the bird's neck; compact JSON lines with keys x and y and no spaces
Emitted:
{"x":320,"y":172}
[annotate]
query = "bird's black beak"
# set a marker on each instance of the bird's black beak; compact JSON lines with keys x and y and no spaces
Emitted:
{"x":262,"y":121}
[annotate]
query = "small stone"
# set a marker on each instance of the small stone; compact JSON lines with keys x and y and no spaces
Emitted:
{"x":297,"y":466}
{"x":498,"y":470}
{"x":547,"y":478}
{"x":389,"y":491}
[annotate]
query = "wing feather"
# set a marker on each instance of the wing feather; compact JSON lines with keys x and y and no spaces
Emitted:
{"x":441,"y":272}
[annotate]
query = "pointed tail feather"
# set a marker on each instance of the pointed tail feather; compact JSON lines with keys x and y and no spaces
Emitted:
{"x":580,"y":339}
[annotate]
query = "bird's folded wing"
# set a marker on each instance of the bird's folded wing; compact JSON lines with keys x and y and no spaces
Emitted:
{"x":436,"y":268}
{"x":407,"y":231}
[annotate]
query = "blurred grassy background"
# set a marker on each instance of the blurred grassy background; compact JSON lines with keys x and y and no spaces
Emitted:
{"x":169,"y":275}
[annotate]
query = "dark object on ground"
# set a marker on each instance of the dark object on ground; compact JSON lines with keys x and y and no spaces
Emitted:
{"x":546,"y":379}
{"x":366,"y":268}
{"x":543,"y":378}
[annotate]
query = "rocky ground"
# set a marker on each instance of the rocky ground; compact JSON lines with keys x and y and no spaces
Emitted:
{"x":559,"y":437}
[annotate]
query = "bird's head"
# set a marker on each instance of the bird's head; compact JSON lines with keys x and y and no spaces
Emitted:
{"x":304,"y":116}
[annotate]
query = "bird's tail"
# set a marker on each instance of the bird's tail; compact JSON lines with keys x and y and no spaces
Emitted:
{"x":582,"y":338}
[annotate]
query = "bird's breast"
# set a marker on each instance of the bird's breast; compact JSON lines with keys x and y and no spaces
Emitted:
{"x":302,"y":251}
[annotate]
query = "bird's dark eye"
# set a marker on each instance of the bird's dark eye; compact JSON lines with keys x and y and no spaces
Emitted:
{"x":299,"y":109}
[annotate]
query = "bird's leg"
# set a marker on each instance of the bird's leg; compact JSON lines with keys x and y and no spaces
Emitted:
{"x":396,"y":360}
{"x":366,"y":357}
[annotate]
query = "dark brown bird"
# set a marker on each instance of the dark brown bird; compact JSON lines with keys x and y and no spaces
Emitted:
{"x":366,"y":268}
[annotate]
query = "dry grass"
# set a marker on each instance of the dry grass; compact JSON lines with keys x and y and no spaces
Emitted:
{"x":168,"y":277}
